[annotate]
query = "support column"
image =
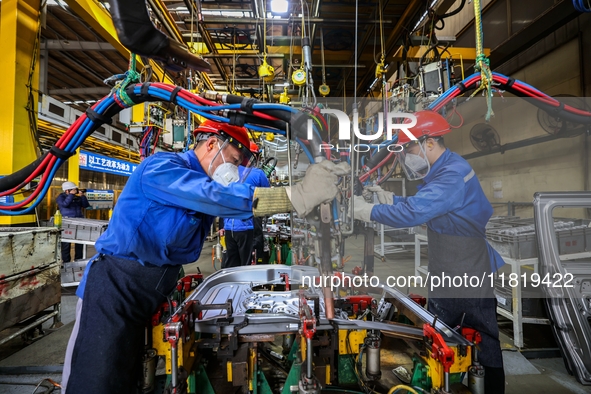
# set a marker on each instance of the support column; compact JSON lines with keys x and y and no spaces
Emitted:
{"x":19,"y":21}
{"x":74,"y":168}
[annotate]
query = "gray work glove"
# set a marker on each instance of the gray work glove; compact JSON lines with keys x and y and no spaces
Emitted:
{"x":318,"y":186}
{"x":362,"y":209}
{"x":384,"y":197}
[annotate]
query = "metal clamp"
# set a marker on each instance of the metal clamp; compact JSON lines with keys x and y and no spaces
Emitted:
{"x":439,"y":350}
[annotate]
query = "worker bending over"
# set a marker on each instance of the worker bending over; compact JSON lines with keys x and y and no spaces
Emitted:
{"x":453,"y":205}
{"x":160,"y":222}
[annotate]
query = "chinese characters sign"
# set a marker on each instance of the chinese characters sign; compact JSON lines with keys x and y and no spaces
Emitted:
{"x":94,"y":162}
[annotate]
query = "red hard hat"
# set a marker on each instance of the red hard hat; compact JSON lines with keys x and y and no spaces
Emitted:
{"x":237,"y":136}
{"x":429,"y":124}
{"x":254,"y":148}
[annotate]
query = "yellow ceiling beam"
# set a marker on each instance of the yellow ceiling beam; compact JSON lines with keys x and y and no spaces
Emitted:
{"x":415,"y":53}
{"x":95,"y":14}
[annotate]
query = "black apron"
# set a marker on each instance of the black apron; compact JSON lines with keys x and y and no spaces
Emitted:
{"x":465,"y":257}
{"x":119,"y":299}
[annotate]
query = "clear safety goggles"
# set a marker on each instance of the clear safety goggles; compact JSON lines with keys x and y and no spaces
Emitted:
{"x":413,"y":160}
{"x":231,"y":155}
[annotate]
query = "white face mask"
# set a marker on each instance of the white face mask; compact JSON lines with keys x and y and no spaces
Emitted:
{"x":415,"y":166}
{"x":225,"y":174}
{"x":415,"y":163}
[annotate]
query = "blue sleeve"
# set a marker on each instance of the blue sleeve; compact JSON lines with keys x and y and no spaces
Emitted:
{"x":263,"y":181}
{"x":85,"y":203}
{"x":398,"y":199}
{"x":172,"y":182}
{"x":64,"y":200}
{"x":438,"y":197}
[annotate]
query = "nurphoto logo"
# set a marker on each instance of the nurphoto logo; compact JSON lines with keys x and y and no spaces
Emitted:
{"x":394,"y":121}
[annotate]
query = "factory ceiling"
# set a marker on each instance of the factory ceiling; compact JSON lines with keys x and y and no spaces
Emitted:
{"x":231,"y":36}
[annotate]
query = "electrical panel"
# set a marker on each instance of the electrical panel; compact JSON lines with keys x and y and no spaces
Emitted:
{"x":436,"y":78}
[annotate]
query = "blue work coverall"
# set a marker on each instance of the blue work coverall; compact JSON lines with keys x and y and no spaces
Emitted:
{"x":70,"y":206}
{"x":159,"y":223}
{"x":452,"y":204}
{"x":241,"y":236}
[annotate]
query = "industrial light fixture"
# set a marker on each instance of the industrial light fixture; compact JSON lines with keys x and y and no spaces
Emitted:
{"x":279,"y":7}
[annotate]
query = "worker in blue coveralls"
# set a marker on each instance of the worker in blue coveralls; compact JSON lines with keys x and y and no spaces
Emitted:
{"x":160,"y":222}
{"x":452,"y":204}
{"x":240,"y":234}
{"x":70,"y":204}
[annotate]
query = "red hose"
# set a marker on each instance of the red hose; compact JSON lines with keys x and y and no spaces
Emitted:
{"x":365,"y":176}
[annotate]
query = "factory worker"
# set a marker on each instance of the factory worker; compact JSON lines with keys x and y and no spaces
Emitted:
{"x":452,"y":204}
{"x":240,"y":234}
{"x":70,"y":203}
{"x":160,"y":222}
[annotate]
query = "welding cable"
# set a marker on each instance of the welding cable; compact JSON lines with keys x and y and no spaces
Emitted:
{"x":581,"y":6}
{"x":581,"y":116}
{"x":46,"y":166}
{"x":401,"y":387}
{"x":440,"y":18}
{"x":13,"y":182}
{"x":71,"y":139}
{"x":383,"y":144}
{"x":69,"y":142}
{"x":450,"y":116}
{"x":521,"y":89}
{"x":297,"y":119}
{"x":317,"y":115}
{"x":305,"y":150}
{"x":365,"y":176}
{"x":389,"y":173}
{"x":143,"y":150}
{"x":200,"y":110}
{"x":184,"y":99}
{"x":188,"y":100}
{"x":156,"y":140}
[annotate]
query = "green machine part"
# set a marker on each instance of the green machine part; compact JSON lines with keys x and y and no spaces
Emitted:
{"x":285,"y":251}
{"x":260,"y":384}
{"x":346,"y":373}
{"x":293,"y":379}
{"x":202,"y":381}
{"x":420,"y":376}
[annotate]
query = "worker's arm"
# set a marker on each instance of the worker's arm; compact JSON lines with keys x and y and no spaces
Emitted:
{"x":168,"y":180}
{"x":438,"y":197}
{"x":84,"y":200}
{"x":64,"y":200}
{"x":317,"y":187}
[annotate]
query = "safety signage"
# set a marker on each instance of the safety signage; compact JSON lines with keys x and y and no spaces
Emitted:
{"x":95,"y":162}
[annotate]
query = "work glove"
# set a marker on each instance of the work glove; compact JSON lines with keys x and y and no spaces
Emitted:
{"x":318,"y":186}
{"x":362,"y":209}
{"x":384,"y":197}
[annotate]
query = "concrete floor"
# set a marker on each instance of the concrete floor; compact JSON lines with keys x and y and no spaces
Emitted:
{"x":44,"y":357}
